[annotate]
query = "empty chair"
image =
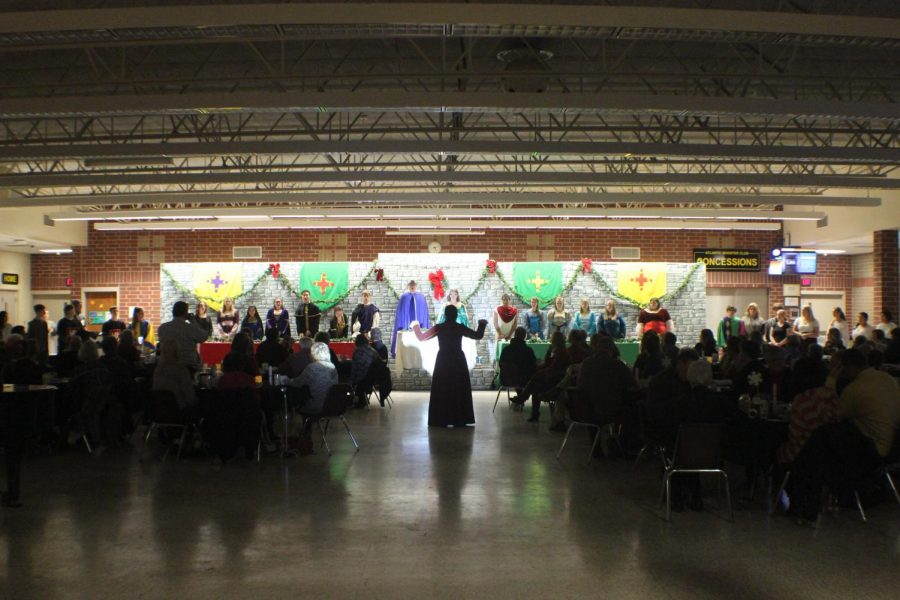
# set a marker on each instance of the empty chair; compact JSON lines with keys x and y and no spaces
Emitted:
{"x":339,"y":399}
{"x":697,"y":451}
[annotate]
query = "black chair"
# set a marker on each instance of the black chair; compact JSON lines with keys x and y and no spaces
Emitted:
{"x":339,"y":399}
{"x":697,"y":451}
{"x":234,"y":420}
{"x":582,"y":415}
{"x":653,"y":439}
{"x":164,"y":414}
{"x":510,"y":379}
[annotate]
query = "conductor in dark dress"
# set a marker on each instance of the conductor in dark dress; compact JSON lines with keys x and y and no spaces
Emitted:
{"x":451,"y":389}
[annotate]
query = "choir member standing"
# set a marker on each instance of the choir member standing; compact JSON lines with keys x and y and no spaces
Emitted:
{"x":366,"y":315}
{"x":654,"y":318}
{"x":534,"y":321}
{"x":229,"y":318}
{"x":253,"y":322}
{"x":277,"y":318}
{"x":505,"y":318}
{"x":558,"y":318}
{"x":611,"y":322}
{"x":308,"y":316}
{"x":586,"y":320}
{"x":411,"y":307}
{"x":202,"y":319}
{"x":462,"y":315}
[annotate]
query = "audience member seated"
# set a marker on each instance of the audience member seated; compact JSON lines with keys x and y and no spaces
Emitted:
{"x":364,"y":356}
{"x":879,"y":341}
{"x":271,"y":352}
{"x":234,"y":420}
{"x":378,"y":344}
{"x":779,"y":373}
{"x":852,"y":449}
{"x":549,"y":373}
{"x":64,"y":362}
{"x":317,"y":377}
{"x":172,"y":375}
{"x":23,"y":368}
{"x":669,"y":348}
{"x":666,"y":392}
{"x":128,"y":350}
{"x":754,"y":376}
{"x":123,"y":380}
{"x":518,"y":358}
{"x":812,"y":406}
{"x":18,"y":330}
{"x":793,"y":348}
{"x":732,"y":359}
{"x":324,"y":338}
{"x":650,"y":360}
{"x":707,"y":347}
{"x":296,"y":362}
{"x":892,"y":354}
{"x":833,"y":342}
{"x":605,"y":381}
{"x":578,"y":347}
{"x":243,"y":345}
{"x":91,"y":399}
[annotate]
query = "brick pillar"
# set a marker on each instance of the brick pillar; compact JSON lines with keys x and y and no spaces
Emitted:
{"x":886,"y":259}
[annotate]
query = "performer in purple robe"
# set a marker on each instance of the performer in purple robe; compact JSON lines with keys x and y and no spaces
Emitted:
{"x":412,"y":306}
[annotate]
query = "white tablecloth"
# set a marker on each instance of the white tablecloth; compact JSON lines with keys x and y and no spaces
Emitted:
{"x":413,"y":354}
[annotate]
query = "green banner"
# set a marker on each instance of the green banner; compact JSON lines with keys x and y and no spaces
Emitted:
{"x":327,"y":282}
{"x":538,"y":279}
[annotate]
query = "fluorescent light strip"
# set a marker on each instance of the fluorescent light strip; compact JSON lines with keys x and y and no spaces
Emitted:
{"x":445,"y":225}
{"x":263,"y":213}
{"x":56,"y":250}
{"x":433,"y":232}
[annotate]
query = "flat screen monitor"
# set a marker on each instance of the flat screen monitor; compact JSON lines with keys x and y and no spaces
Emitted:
{"x":788,"y":261}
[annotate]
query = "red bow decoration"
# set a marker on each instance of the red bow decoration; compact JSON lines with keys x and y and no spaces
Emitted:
{"x":437,"y":283}
{"x":275,"y":268}
{"x":491,"y":266}
{"x":379,"y":274}
{"x":586,"y":265}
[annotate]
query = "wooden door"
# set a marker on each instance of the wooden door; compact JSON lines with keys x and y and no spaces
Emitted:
{"x":96,"y":308}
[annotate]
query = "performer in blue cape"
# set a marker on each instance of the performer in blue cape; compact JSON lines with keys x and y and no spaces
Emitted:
{"x":412,"y":306}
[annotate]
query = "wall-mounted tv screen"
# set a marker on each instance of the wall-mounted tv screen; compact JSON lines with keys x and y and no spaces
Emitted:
{"x":789,"y":261}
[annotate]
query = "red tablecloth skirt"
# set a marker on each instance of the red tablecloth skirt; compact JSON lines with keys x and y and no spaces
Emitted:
{"x":213,"y":353}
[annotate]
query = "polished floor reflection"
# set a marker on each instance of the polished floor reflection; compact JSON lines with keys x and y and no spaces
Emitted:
{"x":481,"y":512}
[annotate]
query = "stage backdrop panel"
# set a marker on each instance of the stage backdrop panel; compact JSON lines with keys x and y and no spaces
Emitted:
{"x":465,"y":272}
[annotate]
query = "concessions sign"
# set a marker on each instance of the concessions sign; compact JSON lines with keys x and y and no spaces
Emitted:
{"x":728,"y":260}
{"x":11,"y":278}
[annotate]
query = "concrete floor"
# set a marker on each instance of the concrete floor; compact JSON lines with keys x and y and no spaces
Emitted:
{"x":483,"y":512}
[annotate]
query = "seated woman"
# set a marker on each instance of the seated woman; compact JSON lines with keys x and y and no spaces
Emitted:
{"x":234,"y":419}
{"x":91,"y":391}
{"x":317,"y":377}
{"x":142,"y":330}
{"x":67,"y":360}
{"x":23,"y":368}
{"x":650,"y":360}
{"x":812,"y":406}
{"x":243,"y":345}
{"x":707,"y":347}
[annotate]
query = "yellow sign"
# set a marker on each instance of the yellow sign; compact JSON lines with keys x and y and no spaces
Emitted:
{"x":11,"y":278}
{"x":215,"y":282}
{"x":642,"y":281}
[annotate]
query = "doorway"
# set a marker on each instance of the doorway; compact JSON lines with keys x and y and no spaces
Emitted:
{"x":718,"y":299}
{"x":822,"y":304}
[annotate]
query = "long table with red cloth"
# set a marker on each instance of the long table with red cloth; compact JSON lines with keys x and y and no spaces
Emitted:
{"x":213,"y":353}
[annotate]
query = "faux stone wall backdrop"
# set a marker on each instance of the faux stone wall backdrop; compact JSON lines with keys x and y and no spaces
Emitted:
{"x":462,"y":272}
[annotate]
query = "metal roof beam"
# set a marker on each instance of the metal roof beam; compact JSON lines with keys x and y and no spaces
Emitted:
{"x":534,"y":15}
{"x":381,"y":101}
{"x":446,"y":198}
{"x":12,"y":153}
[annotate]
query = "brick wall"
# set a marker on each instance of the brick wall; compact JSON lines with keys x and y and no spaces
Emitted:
{"x":111,"y":259}
{"x":886,"y":259}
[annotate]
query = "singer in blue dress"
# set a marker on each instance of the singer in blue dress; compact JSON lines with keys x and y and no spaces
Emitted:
{"x":411,"y":306}
{"x":451,"y":388}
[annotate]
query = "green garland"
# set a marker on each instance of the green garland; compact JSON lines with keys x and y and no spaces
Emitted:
{"x":286,"y":283}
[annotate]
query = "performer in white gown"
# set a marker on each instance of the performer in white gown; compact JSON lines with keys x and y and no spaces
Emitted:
{"x":505,"y":318}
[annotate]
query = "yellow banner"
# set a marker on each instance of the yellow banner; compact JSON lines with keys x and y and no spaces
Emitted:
{"x":213,"y":283}
{"x":642,"y":281}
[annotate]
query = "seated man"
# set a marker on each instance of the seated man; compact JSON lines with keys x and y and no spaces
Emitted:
{"x":364,"y":356}
{"x":517,"y":359}
{"x":297,"y":361}
{"x":853,"y":448}
{"x":271,"y":352}
{"x":552,"y":371}
{"x":666,"y":394}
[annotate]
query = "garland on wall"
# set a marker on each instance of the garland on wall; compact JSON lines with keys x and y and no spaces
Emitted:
{"x":584,"y":267}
